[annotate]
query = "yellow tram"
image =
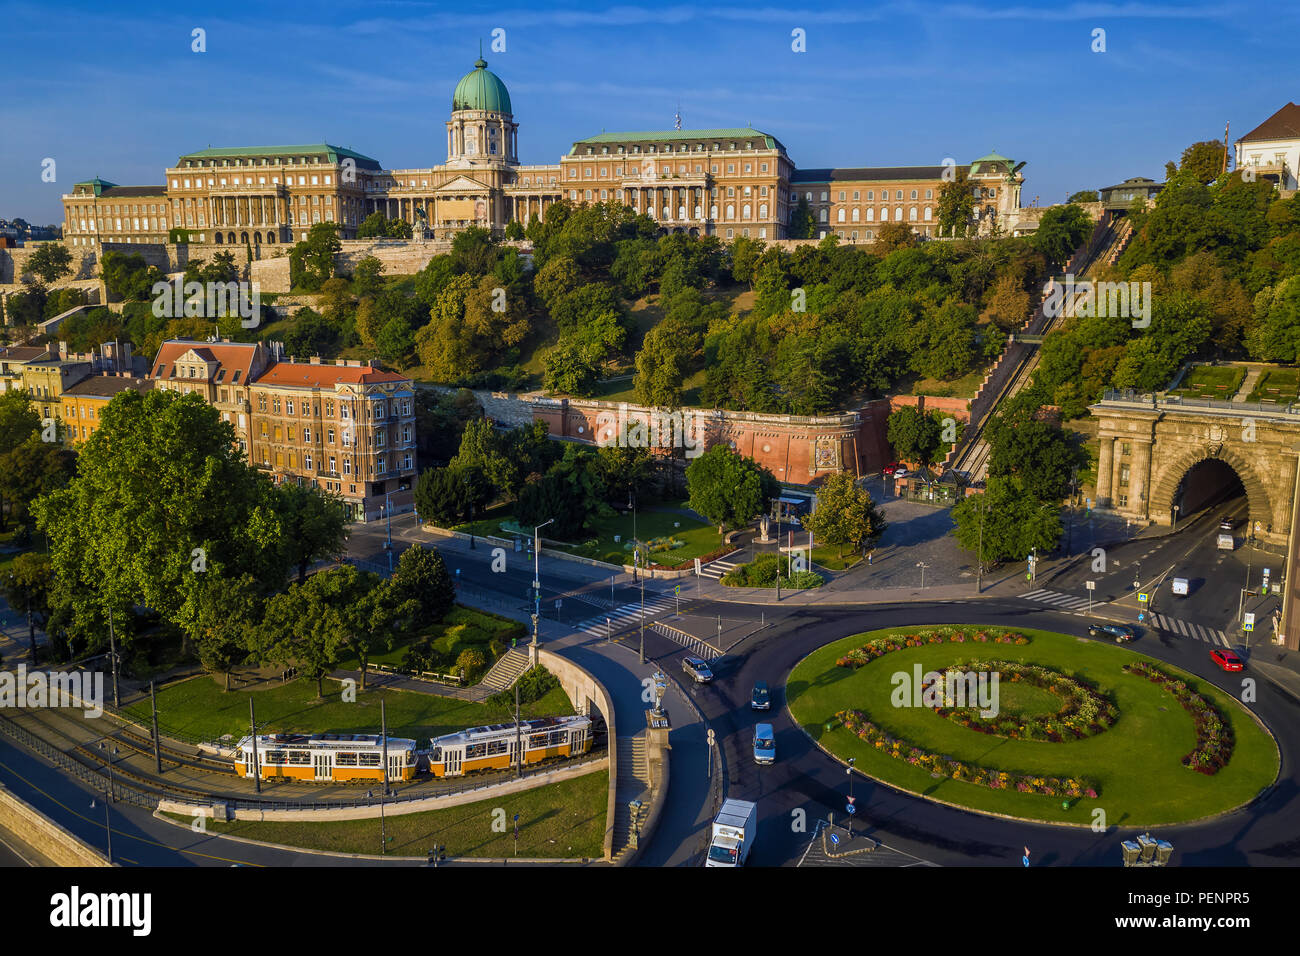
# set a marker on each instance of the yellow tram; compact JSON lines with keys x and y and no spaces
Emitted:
{"x":337,"y":758}
{"x":494,"y":747}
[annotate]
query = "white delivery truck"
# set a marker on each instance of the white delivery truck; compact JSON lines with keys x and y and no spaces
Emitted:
{"x":1227,"y":542}
{"x":733,"y":833}
{"x":1180,"y":587}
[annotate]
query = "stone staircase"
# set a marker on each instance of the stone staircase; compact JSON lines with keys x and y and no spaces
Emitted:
{"x":509,"y":667}
{"x":632,"y":783}
{"x":1248,"y":384}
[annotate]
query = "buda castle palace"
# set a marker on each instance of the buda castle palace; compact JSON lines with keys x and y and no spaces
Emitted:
{"x":720,"y":182}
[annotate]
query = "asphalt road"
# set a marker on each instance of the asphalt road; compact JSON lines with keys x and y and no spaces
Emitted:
{"x":805,"y":779}
{"x":1216,"y":578}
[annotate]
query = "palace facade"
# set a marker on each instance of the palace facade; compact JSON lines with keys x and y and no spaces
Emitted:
{"x":722,"y":182}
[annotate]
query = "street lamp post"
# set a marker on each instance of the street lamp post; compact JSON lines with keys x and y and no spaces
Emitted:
{"x":108,"y":797}
{"x":922,"y":565}
{"x":537,"y":578}
{"x":849,"y":771}
{"x":979,"y":558}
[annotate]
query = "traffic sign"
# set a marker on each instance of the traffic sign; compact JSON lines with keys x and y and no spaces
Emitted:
{"x":1249,"y":623}
{"x":711,"y":737}
{"x":835,"y":839}
{"x":851,"y":809}
{"x":1090,"y":585}
{"x":1142,"y":597}
{"x":677,"y":589}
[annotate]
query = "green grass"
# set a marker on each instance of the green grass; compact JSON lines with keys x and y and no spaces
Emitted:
{"x":462,"y":628}
{"x":828,"y":557}
{"x":200,"y":708}
{"x":564,"y":820}
{"x":1136,"y":762}
{"x":1211,"y":381}
{"x":1281,"y":385}
{"x":964,"y":387}
{"x":598,"y":542}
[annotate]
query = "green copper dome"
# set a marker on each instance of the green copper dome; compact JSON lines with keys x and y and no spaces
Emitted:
{"x":481,"y":89}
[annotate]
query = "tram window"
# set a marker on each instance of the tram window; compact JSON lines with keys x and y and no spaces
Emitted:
{"x":475,"y":750}
{"x":276,"y":757}
{"x":559,"y":738}
{"x":300,"y":757}
{"x":369,"y":760}
{"x":496,"y":747}
{"x":345,"y":759}
{"x":436,"y":756}
{"x":537,"y":740}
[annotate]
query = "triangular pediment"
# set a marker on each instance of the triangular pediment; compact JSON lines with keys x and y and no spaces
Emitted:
{"x":463,"y":184}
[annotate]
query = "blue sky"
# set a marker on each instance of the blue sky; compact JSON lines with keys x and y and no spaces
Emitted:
{"x":118,"y":93}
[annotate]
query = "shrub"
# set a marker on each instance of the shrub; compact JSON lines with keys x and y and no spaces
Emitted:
{"x":534,"y":684}
{"x":470,"y":664}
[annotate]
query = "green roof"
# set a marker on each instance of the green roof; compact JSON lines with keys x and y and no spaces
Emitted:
{"x":97,"y":184}
{"x":333,"y":153}
{"x":739,"y":132}
{"x":991,"y":158}
{"x":481,"y":89}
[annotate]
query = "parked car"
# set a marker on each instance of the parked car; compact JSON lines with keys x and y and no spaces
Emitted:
{"x":1119,"y":633}
{"x":1180,"y":587}
{"x":698,"y":669}
{"x":761,"y":698}
{"x":895,"y":470}
{"x":764,"y":744}
{"x":1226,"y":524}
{"x":1227,"y":659}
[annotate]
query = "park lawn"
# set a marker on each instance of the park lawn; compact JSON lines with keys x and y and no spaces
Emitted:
{"x":1137,"y":763}
{"x":564,"y":820}
{"x":598,"y":540}
{"x":1211,"y":381}
{"x":828,"y":557}
{"x":446,"y":635}
{"x":965,"y":387}
{"x":698,"y":538}
{"x":1281,"y":385}
{"x":198,"y":707}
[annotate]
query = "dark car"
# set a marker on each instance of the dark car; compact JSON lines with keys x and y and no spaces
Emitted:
{"x":698,"y":669}
{"x":1227,"y":659}
{"x":760,"y":699}
{"x":1116,"y":632}
{"x":1226,"y":524}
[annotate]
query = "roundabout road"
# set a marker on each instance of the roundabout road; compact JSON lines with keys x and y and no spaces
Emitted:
{"x":804,"y":778}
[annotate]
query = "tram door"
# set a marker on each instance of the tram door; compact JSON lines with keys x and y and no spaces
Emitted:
{"x":323,"y":763}
{"x":395,"y":763}
{"x":451,"y":760}
{"x":577,"y":736}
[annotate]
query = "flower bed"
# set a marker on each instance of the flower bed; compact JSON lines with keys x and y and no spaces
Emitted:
{"x":1084,"y":712}
{"x":1214,"y":740}
{"x":885,"y":645}
{"x":858,"y":724}
{"x":721,"y":552}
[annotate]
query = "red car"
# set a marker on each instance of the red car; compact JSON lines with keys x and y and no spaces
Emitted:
{"x":895,"y":470}
{"x":1227,"y":659}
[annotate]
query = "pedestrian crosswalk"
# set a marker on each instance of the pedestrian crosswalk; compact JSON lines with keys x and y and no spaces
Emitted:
{"x":1187,"y":629}
{"x":716,"y":569}
{"x":1068,"y":602}
{"x":1079,"y":607}
{"x":615,"y":619}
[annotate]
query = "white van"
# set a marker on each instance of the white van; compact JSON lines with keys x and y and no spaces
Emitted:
{"x":1180,"y":587}
{"x":1227,"y":542}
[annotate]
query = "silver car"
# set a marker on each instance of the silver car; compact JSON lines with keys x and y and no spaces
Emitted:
{"x":698,"y":669}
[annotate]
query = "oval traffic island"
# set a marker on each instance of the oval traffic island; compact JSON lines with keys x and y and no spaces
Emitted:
{"x":1032,"y":724}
